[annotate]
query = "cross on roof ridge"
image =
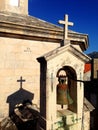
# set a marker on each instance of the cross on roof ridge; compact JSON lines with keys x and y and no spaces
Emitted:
{"x":66,"y":24}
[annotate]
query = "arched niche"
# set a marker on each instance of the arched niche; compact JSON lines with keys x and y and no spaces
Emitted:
{"x":68,"y":74}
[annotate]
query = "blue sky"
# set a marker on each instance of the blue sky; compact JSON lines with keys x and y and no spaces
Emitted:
{"x":82,"y":12}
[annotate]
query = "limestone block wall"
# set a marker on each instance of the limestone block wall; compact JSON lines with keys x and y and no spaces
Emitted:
{"x":86,"y":120}
{"x":18,"y":58}
{"x":95,"y":68}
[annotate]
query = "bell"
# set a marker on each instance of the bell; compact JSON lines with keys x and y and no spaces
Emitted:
{"x":63,"y":97}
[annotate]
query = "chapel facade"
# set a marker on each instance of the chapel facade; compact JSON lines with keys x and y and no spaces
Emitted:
{"x":40,"y":63}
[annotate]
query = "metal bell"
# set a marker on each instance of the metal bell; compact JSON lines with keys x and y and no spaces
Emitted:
{"x":63,"y":97}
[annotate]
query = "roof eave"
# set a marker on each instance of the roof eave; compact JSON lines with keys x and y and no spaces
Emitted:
{"x":70,"y":49}
{"x":33,"y":28}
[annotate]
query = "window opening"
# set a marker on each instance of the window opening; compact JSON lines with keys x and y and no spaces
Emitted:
{"x":14,"y":2}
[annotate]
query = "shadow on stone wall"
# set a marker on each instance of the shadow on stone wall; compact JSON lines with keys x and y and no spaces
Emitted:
{"x":91,"y":93}
{"x":17,"y":98}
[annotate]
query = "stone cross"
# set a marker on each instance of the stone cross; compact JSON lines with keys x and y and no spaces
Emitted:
{"x":21,"y":81}
{"x":66,"y":24}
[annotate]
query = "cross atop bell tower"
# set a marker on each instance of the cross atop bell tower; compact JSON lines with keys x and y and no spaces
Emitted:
{"x":14,"y":6}
{"x":66,"y":23}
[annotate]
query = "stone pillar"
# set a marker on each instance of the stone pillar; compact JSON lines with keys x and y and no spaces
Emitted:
{"x":50,"y":100}
{"x":80,"y":98}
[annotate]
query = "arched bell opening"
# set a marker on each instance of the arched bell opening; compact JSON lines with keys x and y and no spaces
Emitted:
{"x":66,"y":89}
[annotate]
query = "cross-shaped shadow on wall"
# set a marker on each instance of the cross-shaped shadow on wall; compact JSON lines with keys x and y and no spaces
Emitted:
{"x":18,"y":97}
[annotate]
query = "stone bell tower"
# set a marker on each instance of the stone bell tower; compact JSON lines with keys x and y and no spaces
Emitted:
{"x":14,"y":6}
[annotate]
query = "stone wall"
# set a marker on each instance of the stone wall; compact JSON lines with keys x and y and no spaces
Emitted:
{"x":18,"y":58}
{"x":95,"y":68}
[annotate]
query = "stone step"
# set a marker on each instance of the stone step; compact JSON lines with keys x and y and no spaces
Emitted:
{"x":68,"y":127}
{"x":58,"y":124}
{"x":67,"y":116}
{"x":58,"y":119}
{"x":61,"y":128}
{"x":73,"y":127}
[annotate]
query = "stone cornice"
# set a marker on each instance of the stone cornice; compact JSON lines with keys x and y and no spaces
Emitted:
{"x":27,"y":27}
{"x":70,"y":48}
{"x":29,"y":32}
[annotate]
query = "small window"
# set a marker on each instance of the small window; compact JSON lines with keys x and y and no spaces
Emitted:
{"x":14,"y":2}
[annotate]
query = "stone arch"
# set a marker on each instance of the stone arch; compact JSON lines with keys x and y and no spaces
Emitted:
{"x":72,"y":85}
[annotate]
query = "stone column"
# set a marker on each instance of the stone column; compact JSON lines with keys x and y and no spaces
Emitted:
{"x":50,"y":100}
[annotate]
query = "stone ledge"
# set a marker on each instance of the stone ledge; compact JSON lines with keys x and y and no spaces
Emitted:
{"x":30,"y":26}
